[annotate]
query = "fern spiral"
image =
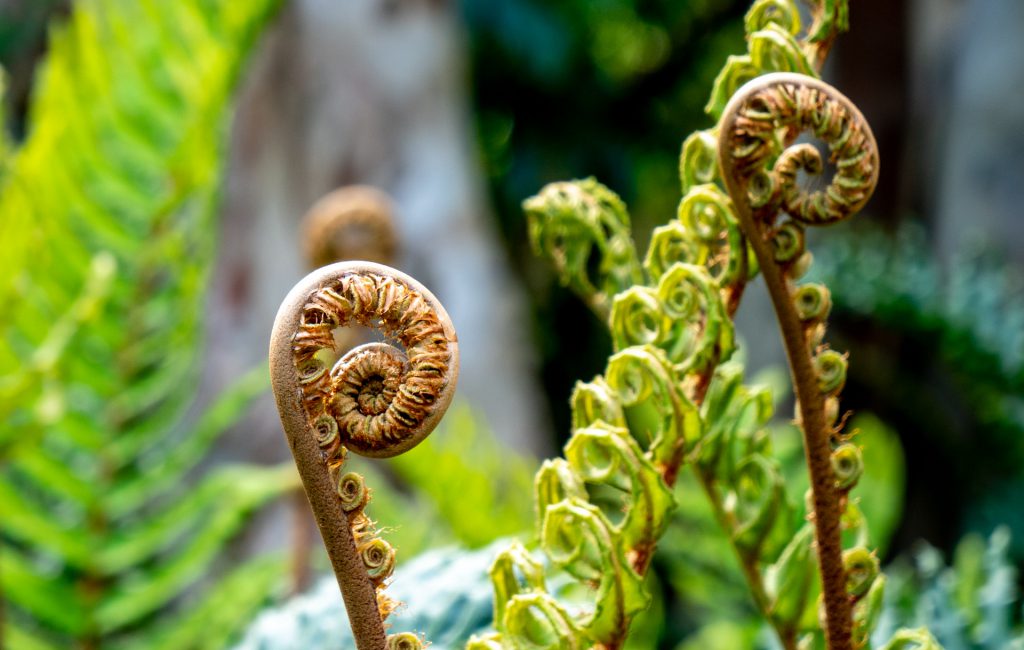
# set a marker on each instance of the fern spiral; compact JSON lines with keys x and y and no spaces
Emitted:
{"x":760,"y":171}
{"x":350,"y":223}
{"x":378,"y":399}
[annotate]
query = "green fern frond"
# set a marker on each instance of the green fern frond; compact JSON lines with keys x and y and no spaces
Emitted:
{"x":107,"y":218}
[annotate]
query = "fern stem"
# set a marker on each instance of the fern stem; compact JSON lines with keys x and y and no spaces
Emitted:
{"x":3,"y":604}
{"x":817,"y":449}
{"x":358,"y":592}
{"x":831,"y":25}
{"x":748,"y":564}
{"x":747,"y":150}
{"x":816,"y":432}
{"x":302,"y":543}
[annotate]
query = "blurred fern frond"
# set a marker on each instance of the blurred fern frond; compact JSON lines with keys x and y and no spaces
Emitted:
{"x":106,"y":221}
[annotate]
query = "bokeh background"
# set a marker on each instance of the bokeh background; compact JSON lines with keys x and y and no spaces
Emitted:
{"x":460,"y":110}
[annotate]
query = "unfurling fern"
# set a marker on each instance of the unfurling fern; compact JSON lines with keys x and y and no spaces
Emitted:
{"x":106,"y":215}
{"x":668,"y":398}
{"x":377,"y":399}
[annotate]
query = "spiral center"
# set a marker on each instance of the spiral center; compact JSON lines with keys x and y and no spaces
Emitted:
{"x":373,"y":397}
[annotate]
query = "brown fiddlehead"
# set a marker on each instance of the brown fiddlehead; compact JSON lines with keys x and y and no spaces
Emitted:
{"x":378,"y":400}
{"x":760,"y":166}
{"x":355,"y":222}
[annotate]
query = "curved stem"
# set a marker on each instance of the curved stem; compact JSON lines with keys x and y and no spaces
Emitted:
{"x":357,"y":590}
{"x":302,"y":543}
{"x":820,"y":50}
{"x":749,"y":147}
{"x":816,"y":432}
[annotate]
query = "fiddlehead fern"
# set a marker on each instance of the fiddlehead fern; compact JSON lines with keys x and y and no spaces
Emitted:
{"x":377,"y":400}
{"x":668,"y":387}
{"x":584,"y":228}
{"x":350,"y":223}
{"x":760,"y":174}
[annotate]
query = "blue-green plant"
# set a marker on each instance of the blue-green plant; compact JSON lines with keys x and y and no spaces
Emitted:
{"x":445,"y":593}
{"x":970,"y":605}
{"x":107,"y":214}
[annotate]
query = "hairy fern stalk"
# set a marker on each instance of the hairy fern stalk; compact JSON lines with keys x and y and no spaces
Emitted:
{"x":106,"y":217}
{"x":670,"y":399}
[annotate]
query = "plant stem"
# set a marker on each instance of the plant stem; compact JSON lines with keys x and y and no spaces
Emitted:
{"x":817,"y":450}
{"x":670,"y":473}
{"x":755,"y":582}
{"x":816,"y":431}
{"x":820,"y":50}
{"x":748,"y":140}
{"x":302,"y":542}
{"x":358,"y":592}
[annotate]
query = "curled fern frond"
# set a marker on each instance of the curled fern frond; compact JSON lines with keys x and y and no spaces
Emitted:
{"x":698,"y":161}
{"x":780,"y":13}
{"x":753,"y":157}
{"x":351,"y":223}
{"x":378,"y":400}
{"x":584,"y":228}
{"x":912,"y":640}
{"x":659,"y":413}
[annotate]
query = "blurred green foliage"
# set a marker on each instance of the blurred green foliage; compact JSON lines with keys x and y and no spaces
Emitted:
{"x":107,"y":214}
{"x":574,"y":88}
{"x":459,"y":486}
{"x":471,"y":479}
{"x":973,"y":604}
{"x":942,"y":358}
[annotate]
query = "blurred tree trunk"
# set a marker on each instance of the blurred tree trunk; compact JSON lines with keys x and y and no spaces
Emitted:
{"x":371,"y":92}
{"x":979,"y":185}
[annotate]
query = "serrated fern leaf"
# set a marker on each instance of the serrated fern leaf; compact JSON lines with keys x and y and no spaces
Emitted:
{"x":107,"y":218}
{"x":231,"y":605}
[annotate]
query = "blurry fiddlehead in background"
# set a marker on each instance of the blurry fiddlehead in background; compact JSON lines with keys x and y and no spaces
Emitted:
{"x":355,"y":222}
{"x":377,"y":400}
